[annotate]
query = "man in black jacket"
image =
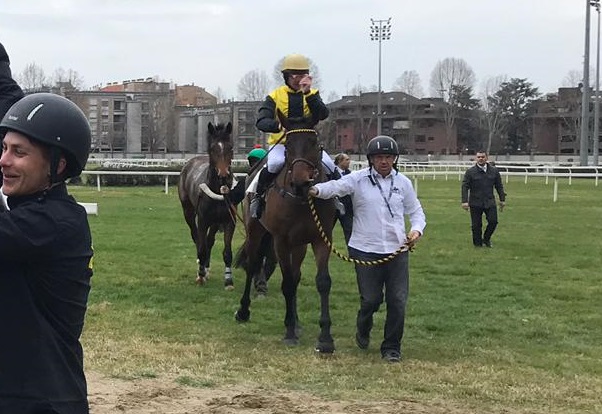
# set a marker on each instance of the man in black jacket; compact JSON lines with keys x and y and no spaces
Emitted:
{"x":477,"y":195}
{"x":10,"y":92}
{"x":45,"y":258}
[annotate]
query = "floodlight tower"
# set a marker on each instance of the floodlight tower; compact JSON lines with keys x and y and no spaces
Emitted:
{"x":379,"y":30}
{"x":585,"y":95}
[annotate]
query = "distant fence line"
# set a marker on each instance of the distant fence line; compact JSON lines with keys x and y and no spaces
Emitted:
{"x":415,"y":172}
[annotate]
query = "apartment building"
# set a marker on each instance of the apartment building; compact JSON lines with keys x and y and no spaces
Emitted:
{"x":418,"y":125}
{"x":139,"y":115}
{"x":557,"y":122}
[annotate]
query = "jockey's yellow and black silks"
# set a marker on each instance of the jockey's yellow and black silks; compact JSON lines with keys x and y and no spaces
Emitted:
{"x":293,"y":105}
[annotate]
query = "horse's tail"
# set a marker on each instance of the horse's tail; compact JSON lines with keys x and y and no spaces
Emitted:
{"x":240,"y":258}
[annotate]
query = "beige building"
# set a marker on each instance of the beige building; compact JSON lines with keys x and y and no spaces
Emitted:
{"x":139,"y":116}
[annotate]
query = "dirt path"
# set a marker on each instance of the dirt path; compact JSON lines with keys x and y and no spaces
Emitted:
{"x":162,"y":396}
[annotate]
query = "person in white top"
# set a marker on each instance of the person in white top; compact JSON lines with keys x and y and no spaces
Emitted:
{"x":382,"y":198}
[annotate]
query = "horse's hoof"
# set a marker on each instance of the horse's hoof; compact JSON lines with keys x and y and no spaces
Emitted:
{"x":322,"y":354}
{"x":290,"y":341}
{"x":325,"y":348}
{"x":229,"y":284}
{"x":200,"y":280}
{"x":241,"y":316}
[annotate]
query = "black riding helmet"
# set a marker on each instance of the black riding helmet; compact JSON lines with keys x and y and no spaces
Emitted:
{"x":56,"y":122}
{"x":382,"y":144}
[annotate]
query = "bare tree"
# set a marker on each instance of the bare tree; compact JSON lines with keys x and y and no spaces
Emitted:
{"x":332,"y":96}
{"x":409,"y":82}
{"x":69,"y":76}
{"x":357,"y":90}
{"x":32,"y":77}
{"x":448,"y":77}
{"x":253,"y":86}
{"x":220,"y":95}
{"x":160,"y":123}
{"x":492,"y":114}
{"x":574,"y":77}
{"x":313,"y":70}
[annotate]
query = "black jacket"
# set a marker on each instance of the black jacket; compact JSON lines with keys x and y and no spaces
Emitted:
{"x":302,"y":110}
{"x":477,"y":187}
{"x":10,"y":92}
{"x":45,"y":271}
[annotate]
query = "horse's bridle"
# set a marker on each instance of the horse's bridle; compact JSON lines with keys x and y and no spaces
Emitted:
{"x":303,"y":160}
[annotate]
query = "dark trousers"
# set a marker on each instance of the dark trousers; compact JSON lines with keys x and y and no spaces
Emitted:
{"x":346,"y":221}
{"x":476,"y":217}
{"x":389,"y":280}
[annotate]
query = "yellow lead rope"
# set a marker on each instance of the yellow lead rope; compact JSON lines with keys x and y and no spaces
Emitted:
{"x":390,"y":257}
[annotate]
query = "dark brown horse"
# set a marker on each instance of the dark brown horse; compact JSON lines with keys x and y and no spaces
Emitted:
{"x":205,"y":209}
{"x":288,"y":219}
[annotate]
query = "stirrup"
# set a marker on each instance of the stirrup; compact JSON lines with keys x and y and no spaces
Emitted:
{"x":256,"y":206}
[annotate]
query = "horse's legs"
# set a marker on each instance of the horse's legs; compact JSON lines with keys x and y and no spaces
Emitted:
{"x":210,"y":242}
{"x":255,"y":232}
{"x":227,"y":255}
{"x":325,"y":342}
{"x":290,"y":260}
{"x":189,"y":216}
{"x":267,"y":267}
{"x":201,"y":253}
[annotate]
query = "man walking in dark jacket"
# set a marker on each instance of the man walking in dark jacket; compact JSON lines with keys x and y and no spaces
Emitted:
{"x":477,"y":195}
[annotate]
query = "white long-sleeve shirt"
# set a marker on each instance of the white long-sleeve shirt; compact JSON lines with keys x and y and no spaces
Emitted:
{"x":378,"y":228}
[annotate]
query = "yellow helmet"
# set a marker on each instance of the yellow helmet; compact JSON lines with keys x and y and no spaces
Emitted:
{"x":295,"y":62}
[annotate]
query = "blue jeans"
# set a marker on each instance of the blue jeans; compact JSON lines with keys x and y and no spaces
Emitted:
{"x":388,"y":281}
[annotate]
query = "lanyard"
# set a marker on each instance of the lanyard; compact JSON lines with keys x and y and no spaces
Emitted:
{"x":386,"y":199}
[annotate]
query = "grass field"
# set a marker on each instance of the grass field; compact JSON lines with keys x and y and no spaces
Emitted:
{"x":517,"y":328}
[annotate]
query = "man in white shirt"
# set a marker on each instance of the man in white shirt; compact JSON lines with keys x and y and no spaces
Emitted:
{"x":381,"y":198}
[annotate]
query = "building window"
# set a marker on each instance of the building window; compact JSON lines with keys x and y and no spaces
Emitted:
{"x":420,"y":138}
{"x":119,"y":105}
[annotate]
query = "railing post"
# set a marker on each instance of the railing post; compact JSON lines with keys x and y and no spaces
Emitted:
{"x":166,"y":184}
{"x":555,"y":189}
{"x":98,"y":182}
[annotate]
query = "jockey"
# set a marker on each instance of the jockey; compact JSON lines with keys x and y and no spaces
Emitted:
{"x":296,"y":100}
{"x":237,"y":194}
{"x":256,"y":155}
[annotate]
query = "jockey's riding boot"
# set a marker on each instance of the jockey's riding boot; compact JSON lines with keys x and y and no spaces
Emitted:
{"x":257,"y":203}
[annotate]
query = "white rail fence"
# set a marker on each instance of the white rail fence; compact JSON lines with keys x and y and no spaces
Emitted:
{"x":425,"y":171}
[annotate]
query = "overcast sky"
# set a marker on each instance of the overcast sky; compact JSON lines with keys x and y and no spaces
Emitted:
{"x":213,"y":43}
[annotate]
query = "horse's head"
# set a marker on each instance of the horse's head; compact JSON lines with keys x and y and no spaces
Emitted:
{"x":219,"y":148}
{"x":303,"y":159}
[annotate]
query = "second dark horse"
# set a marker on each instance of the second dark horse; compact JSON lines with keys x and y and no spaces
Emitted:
{"x":205,"y":209}
{"x":288,"y":218}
